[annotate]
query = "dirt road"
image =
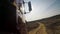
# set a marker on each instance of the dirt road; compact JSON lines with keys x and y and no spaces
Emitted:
{"x":40,"y":30}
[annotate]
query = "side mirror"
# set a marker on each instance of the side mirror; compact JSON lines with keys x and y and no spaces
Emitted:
{"x":29,"y":6}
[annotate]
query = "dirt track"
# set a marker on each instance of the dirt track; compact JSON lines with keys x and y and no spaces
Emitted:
{"x":40,"y":30}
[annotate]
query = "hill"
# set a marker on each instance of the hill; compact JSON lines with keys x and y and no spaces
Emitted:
{"x":52,"y":24}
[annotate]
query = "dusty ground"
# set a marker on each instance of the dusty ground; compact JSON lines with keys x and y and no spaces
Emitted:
{"x":39,"y":30}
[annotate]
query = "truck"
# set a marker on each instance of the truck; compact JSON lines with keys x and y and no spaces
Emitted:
{"x":12,"y":20}
{"x":20,"y":13}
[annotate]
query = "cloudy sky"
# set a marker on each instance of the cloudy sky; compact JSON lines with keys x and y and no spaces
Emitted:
{"x":43,"y":9}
